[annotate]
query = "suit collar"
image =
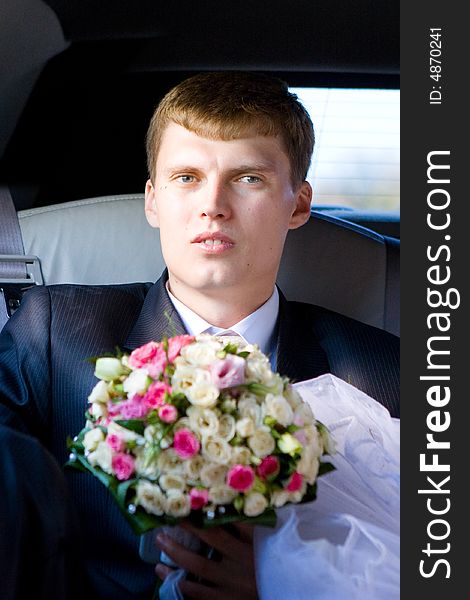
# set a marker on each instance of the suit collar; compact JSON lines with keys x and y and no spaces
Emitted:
{"x":299,"y":354}
{"x":157,"y":319}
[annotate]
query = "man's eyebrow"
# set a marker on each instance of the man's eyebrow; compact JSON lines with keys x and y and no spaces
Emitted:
{"x":183,"y":168}
{"x":264,"y":167}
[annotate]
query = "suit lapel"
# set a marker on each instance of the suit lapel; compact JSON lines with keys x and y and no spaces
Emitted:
{"x":299,"y":354}
{"x":157,"y":319}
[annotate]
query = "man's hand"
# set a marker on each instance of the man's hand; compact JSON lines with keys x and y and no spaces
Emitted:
{"x":232,"y":577}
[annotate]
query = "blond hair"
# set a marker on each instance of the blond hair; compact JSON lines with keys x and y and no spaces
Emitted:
{"x":231,"y":105}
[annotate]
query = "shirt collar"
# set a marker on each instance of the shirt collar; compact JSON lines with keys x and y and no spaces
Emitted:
{"x":257,"y":328}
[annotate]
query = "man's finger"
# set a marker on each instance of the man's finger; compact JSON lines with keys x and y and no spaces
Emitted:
{"x":194,"y":563}
{"x":162,"y":571}
{"x":221,"y":540}
{"x":198,"y":591}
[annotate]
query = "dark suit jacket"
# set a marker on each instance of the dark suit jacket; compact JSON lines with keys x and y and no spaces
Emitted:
{"x":45,"y":380}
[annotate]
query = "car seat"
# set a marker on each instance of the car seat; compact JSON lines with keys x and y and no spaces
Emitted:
{"x":329,"y":261}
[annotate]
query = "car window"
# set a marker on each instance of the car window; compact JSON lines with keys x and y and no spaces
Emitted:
{"x":356,"y":158}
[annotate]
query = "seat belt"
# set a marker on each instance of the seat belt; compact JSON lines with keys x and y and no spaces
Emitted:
{"x":18,"y":272}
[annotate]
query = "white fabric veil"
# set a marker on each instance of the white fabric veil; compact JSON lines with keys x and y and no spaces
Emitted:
{"x":344,"y":545}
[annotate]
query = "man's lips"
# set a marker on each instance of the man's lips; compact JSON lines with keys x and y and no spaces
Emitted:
{"x":213,"y":242}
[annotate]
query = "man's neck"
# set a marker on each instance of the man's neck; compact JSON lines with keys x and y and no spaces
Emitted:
{"x":221,"y":309}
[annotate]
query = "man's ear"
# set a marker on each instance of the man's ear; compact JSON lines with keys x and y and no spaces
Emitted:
{"x":301,"y":213}
{"x":151,"y":210}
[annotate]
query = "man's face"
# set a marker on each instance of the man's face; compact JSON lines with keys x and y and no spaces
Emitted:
{"x":223,"y":209}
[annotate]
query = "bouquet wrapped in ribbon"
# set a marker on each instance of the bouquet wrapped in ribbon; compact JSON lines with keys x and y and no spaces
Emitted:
{"x":199,"y":428}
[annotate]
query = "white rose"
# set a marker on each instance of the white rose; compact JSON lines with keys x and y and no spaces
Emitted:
{"x":240,"y":456}
{"x":279,"y":498}
{"x":192,"y":469}
{"x":102,"y":457}
{"x":203,"y":394}
{"x":152,"y":433}
{"x":278,"y":408}
{"x":314,"y":439}
{"x":212,"y":474}
{"x":308,"y":465}
{"x":177,"y":504}
{"x":304,"y":413}
{"x":226,"y":427}
{"x":151,"y":497}
{"x":185,"y":376}
{"x":261,"y":442}
{"x":170,"y":481}
{"x":202,"y":421}
{"x":108,"y":368}
{"x":125,"y":434}
{"x":222,"y":494}
{"x":98,"y":410}
{"x":329,"y":444}
{"x":254,"y":504}
{"x":249,"y":407}
{"x":169,"y":461}
{"x":92,"y":438}
{"x":293,"y":397}
{"x":99,"y":393}
{"x":202,"y":353}
{"x":258,"y":369}
{"x":245,"y":427}
{"x":216,"y":449}
{"x":145,"y":467}
{"x":182,"y":423}
{"x":136,"y":383}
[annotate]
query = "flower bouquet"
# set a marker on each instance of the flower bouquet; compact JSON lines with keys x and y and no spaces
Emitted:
{"x":199,"y":428}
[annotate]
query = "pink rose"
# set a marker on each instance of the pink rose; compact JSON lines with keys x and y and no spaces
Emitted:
{"x":168,"y":413}
{"x":198,"y":498}
{"x":157,"y":364}
{"x":155,"y":395}
{"x":240,"y":478}
{"x":176,"y":343}
{"x":123,"y":465}
{"x":185,"y":443}
{"x":135,"y":407}
{"x":116,"y":443}
{"x":268,"y":468}
{"x":295,"y":482}
{"x":142,"y":355}
{"x":114,"y":408}
{"x":228,"y":372}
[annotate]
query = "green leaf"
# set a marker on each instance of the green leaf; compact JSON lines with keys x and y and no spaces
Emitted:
{"x":230,"y":348}
{"x":325,"y":467}
{"x":135,"y":425}
{"x":267,"y":519}
{"x":122,"y":490}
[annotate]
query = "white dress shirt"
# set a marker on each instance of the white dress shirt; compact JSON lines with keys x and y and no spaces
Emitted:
{"x":257,"y":328}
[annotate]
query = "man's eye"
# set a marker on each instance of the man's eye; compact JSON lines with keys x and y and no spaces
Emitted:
{"x":250,"y":179}
{"x":186,"y":178}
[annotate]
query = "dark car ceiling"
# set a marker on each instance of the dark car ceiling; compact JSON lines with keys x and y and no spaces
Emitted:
{"x":360,"y":36}
{"x":82,"y":130}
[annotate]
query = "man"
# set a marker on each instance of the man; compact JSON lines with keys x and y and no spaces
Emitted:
{"x":228,"y":155}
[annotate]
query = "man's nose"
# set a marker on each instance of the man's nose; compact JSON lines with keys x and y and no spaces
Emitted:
{"x":215,"y":201}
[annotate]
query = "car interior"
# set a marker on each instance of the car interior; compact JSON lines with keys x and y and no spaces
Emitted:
{"x":78,"y":84}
